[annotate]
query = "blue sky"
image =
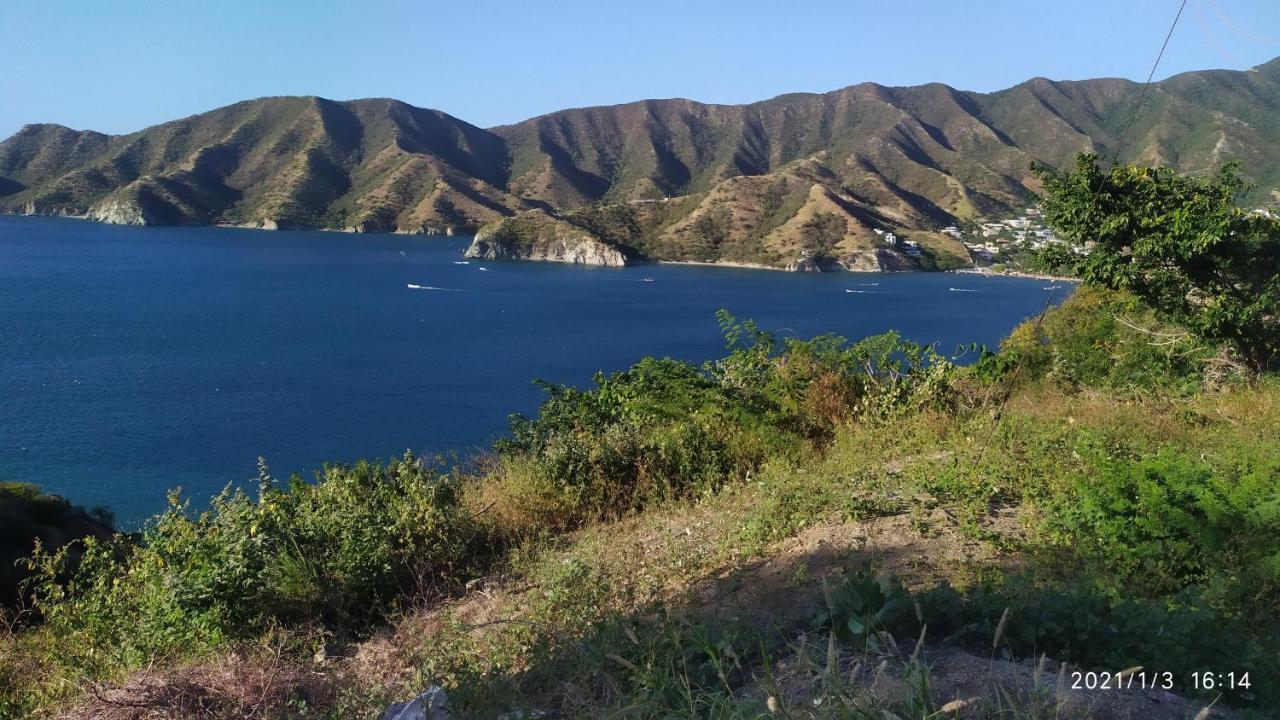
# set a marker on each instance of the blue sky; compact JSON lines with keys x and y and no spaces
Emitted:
{"x":120,"y":65}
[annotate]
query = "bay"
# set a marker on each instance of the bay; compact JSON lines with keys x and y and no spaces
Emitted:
{"x":135,"y":360}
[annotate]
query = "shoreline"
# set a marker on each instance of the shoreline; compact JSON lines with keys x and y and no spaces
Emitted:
{"x":1012,"y":274}
{"x":694,"y":263}
{"x":718,"y":263}
{"x":224,"y":225}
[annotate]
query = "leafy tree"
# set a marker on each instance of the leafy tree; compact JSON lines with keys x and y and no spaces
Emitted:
{"x":1054,"y":257}
{"x":709,"y":232}
{"x":451,"y":214}
{"x":823,"y":232}
{"x":773,"y":198}
{"x":610,"y":222}
{"x":1178,"y":242}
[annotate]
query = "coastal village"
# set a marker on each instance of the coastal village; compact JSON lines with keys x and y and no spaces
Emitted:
{"x":989,"y":242}
{"x":999,"y":241}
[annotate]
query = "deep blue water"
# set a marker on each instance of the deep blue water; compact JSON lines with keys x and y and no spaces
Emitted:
{"x":133,"y":360}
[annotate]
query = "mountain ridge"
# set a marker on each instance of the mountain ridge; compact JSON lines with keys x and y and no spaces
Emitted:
{"x":769,"y":182}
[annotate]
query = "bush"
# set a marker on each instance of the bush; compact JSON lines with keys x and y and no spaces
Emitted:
{"x":1165,"y":522}
{"x":29,"y":515}
{"x":334,"y":552}
{"x":659,"y":430}
{"x":1179,"y":242}
{"x":1103,"y":339}
{"x":667,"y":429}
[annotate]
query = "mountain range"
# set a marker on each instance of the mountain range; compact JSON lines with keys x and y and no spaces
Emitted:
{"x":800,"y":178}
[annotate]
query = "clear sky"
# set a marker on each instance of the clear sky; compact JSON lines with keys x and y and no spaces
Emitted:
{"x":120,"y":65}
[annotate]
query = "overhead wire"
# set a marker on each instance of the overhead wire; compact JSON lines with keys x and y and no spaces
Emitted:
{"x":1017,"y":370}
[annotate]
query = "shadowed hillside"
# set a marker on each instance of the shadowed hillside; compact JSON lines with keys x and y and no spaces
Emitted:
{"x":275,"y":162}
{"x":772,"y":182}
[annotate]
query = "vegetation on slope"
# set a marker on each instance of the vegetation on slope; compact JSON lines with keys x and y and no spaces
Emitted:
{"x":721,"y":541}
{"x":1179,"y":243}
{"x":29,"y":516}
{"x":768,"y":182}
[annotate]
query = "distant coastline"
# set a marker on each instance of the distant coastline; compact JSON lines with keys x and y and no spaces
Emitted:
{"x":721,"y":263}
{"x":738,"y":265}
{"x":1013,"y":273}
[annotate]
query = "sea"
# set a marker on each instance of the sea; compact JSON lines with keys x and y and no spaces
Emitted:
{"x":138,"y":360}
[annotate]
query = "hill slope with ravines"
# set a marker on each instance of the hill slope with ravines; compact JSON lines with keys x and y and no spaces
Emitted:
{"x":770,"y":182}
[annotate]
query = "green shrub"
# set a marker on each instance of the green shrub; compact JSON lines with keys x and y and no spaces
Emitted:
{"x":336,"y":552}
{"x":667,"y":429}
{"x":659,"y":430}
{"x":859,"y":607}
{"x":1164,"y":522}
{"x":28,"y":515}
{"x":1103,"y":339}
{"x":1179,"y":242}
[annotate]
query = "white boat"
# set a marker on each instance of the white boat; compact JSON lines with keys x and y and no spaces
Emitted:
{"x":484,"y":269}
{"x":962,"y":290}
{"x":461,"y":262}
{"x":415,"y":287}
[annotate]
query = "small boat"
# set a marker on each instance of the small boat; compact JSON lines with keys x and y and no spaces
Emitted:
{"x":484,"y":269}
{"x":648,"y":279}
{"x":1051,"y":287}
{"x":869,"y":284}
{"x":962,"y":290}
{"x":461,"y":262}
{"x":415,"y":287}
{"x":402,"y":252}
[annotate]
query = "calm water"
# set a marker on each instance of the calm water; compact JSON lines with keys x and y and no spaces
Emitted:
{"x":136,"y":360}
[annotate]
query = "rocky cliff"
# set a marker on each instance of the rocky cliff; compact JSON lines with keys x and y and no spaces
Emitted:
{"x":539,"y":236}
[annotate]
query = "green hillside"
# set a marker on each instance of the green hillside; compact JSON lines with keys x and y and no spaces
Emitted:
{"x":276,"y":162}
{"x":768,"y":182}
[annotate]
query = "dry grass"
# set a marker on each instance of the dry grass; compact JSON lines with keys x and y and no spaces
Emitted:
{"x":942,"y":682}
{"x":247,"y":684}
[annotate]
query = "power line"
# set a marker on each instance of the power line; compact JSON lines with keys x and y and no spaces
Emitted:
{"x":1133,"y":117}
